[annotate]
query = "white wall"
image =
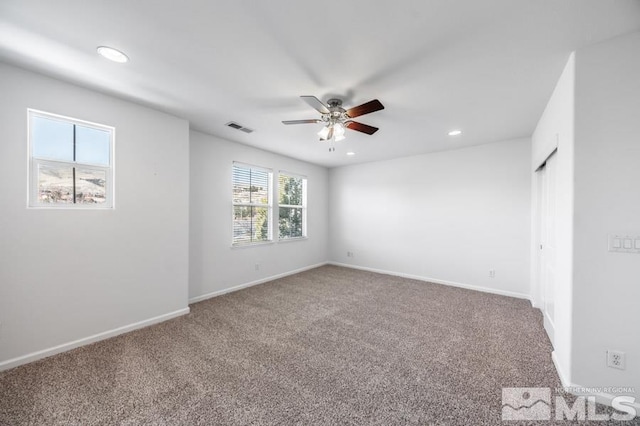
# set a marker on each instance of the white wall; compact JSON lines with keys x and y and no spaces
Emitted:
{"x":607,"y":200}
{"x":70,"y":274}
{"x":447,"y":217}
{"x":214,"y":265}
{"x":556,"y":128}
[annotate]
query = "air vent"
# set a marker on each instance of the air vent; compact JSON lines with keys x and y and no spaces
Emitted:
{"x":237,"y":126}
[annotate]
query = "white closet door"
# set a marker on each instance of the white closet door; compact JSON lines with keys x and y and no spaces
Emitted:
{"x":548,"y":242}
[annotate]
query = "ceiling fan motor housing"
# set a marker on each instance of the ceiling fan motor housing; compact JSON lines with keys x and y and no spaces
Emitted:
{"x":336,"y":114}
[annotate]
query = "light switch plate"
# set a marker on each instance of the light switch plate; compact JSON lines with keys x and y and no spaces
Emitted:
{"x":624,"y":242}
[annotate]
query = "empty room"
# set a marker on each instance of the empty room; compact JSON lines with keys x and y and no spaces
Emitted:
{"x":334,"y":213}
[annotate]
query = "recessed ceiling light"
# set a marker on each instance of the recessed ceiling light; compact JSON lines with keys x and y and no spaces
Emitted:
{"x":351,"y":153}
{"x":455,"y":132}
{"x":112,"y":54}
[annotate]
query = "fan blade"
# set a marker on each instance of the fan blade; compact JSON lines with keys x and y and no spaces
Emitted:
{"x":371,"y":106}
{"x":353,"y":125}
{"x":312,"y":120}
{"x":316,"y":104}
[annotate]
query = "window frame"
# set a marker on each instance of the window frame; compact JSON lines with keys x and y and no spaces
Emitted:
{"x":34,"y":164}
{"x":302,"y":206}
{"x":268,"y":206}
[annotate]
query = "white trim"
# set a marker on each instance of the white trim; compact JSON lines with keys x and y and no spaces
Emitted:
{"x":34,"y":356}
{"x":286,"y":173}
{"x":549,"y":327}
{"x":437,"y":281}
{"x":293,"y":239}
{"x":65,"y":118}
{"x":563,"y":377}
{"x":601,"y":397}
{"x":255,"y":244}
{"x":252,"y":283}
{"x":251,"y":166}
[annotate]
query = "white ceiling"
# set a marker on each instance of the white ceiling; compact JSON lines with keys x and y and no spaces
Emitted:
{"x":487,"y":67}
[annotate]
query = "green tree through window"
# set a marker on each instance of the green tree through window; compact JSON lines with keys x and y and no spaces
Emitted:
{"x":292,"y":206}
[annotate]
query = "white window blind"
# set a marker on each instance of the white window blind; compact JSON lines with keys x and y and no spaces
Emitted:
{"x":251,"y":204}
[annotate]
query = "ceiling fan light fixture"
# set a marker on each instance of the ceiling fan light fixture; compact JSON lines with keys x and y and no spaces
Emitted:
{"x":112,"y":54}
{"x":324,"y":132}
{"x":338,"y":131}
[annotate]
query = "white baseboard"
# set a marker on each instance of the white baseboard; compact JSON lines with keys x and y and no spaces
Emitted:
{"x":564,"y":380}
{"x":34,"y":356}
{"x":437,"y":281}
{"x":252,"y":283}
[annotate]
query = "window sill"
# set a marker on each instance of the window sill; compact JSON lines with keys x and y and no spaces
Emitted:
{"x":247,"y":245}
{"x":69,"y":207}
{"x":291,"y":240}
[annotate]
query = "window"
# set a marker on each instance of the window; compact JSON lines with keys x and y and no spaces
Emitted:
{"x":251,"y":204}
{"x":70,"y":162}
{"x":292,"y":205}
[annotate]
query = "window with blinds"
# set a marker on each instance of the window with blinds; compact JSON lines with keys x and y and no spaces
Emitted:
{"x":251,"y":204}
{"x":292,"y":206}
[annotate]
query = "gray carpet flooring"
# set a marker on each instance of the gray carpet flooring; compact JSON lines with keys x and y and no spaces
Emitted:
{"x":327,"y":346}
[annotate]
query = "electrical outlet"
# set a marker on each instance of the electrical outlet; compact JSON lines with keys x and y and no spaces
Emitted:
{"x":616,"y":359}
{"x":349,"y":254}
{"x":492,"y":273}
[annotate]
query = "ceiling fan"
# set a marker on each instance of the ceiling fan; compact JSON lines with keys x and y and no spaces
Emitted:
{"x":337,"y":119}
